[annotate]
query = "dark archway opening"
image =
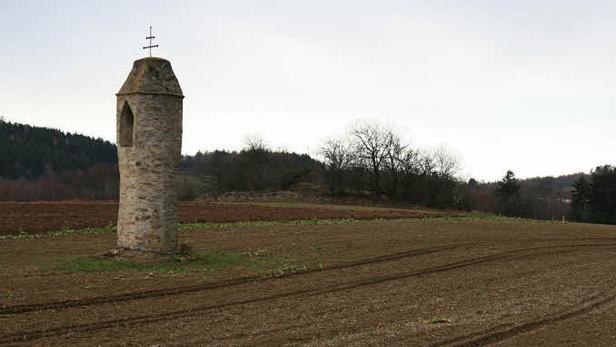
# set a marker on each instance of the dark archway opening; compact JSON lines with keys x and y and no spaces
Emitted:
{"x":127,"y":124}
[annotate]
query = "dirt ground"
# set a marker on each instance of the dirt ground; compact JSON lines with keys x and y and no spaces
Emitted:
{"x":51,"y":216}
{"x":424,"y":282}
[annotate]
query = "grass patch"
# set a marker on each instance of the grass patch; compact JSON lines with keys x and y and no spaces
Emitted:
{"x":438,"y":320}
{"x":199,"y":261}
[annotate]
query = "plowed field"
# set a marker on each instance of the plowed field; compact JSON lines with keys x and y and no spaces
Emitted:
{"x":47,"y":216}
{"x":413,"y":282}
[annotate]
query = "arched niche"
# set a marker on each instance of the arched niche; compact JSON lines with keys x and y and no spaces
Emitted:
{"x":127,"y":125}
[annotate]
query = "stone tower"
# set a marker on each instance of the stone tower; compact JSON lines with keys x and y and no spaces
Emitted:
{"x":149,"y":139}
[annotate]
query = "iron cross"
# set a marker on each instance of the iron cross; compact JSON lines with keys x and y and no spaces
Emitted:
{"x":150,"y":38}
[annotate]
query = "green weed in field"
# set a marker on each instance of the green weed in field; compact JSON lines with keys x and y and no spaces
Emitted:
{"x":286,"y":269}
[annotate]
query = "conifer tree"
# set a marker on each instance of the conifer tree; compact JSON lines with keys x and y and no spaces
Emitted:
{"x":579,"y":199}
{"x":508,"y":192}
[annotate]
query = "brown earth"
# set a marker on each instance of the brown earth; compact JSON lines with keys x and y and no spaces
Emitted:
{"x":432,"y":282}
{"x":50,"y":216}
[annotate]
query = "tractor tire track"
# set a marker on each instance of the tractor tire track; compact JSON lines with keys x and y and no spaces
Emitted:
{"x":18,"y":309}
{"x":493,"y":335}
{"x":27,"y":336}
{"x":99,"y":300}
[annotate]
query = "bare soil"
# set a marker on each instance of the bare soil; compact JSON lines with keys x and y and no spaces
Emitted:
{"x":424,"y":282}
{"x":50,"y":216}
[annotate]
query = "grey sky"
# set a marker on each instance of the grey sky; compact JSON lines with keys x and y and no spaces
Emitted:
{"x":522,"y":85}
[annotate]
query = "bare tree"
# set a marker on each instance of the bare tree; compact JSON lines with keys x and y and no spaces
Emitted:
{"x":338,"y":157}
{"x":394,"y":161}
{"x":446,"y":162}
{"x":371,"y":144}
{"x":409,"y":170}
{"x":255,"y":143}
{"x":410,"y":162}
{"x":426,"y":163}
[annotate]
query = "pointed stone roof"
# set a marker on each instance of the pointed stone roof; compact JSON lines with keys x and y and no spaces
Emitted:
{"x":151,"y":76}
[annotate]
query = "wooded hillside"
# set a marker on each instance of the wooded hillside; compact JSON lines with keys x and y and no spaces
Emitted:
{"x":29,"y":152}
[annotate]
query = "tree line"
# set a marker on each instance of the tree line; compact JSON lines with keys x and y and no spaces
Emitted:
{"x":580,"y":197}
{"x":370,"y":161}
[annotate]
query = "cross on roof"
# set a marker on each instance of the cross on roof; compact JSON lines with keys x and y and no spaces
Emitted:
{"x":150,"y":37}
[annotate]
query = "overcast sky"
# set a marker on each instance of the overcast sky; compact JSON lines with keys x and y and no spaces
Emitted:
{"x":522,"y":85}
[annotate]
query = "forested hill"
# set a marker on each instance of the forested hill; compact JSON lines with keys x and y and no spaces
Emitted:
{"x":29,"y":152}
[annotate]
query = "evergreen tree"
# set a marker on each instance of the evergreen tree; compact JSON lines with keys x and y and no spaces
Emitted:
{"x":579,"y":197}
{"x":602,"y":195}
{"x":508,"y":192}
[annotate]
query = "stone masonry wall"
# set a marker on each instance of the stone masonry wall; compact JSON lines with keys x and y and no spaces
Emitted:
{"x":147,"y":215}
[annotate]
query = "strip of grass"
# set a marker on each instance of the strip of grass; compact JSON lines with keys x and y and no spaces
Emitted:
{"x":261,"y":224}
{"x":184,"y":227}
{"x":453,"y":218}
{"x":258,"y":224}
{"x":62,"y":232}
{"x":200,"y":261}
